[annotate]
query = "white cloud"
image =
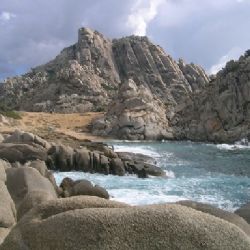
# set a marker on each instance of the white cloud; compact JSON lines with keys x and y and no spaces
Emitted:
{"x":6,"y":16}
{"x":142,"y":13}
{"x":233,"y":54}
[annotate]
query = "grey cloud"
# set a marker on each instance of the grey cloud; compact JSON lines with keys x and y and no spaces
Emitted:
{"x":198,"y":31}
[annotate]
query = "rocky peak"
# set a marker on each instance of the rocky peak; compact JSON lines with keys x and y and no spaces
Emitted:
{"x":87,"y":75}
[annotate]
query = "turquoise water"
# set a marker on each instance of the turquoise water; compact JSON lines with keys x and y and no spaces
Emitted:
{"x":215,"y":174}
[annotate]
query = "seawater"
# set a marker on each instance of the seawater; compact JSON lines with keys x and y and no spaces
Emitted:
{"x":214,"y":174}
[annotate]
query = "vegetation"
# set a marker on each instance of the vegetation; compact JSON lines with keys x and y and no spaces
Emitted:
{"x":8,"y":112}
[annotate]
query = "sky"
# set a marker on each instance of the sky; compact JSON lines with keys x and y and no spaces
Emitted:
{"x":205,"y":32}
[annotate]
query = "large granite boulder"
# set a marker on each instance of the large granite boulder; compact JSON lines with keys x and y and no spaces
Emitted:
{"x":7,"y":207}
{"x":22,"y":152}
{"x":82,"y":187}
{"x":93,"y":223}
{"x":25,"y":182}
{"x":26,"y":138}
{"x":244,"y":212}
{"x":230,"y":217}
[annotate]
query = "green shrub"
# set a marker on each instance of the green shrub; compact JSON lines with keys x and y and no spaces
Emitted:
{"x":12,"y":114}
{"x":8,"y":112}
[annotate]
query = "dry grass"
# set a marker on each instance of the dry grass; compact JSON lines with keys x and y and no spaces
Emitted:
{"x":54,"y":126}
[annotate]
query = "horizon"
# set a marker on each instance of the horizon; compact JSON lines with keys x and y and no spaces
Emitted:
{"x":208,"y":34}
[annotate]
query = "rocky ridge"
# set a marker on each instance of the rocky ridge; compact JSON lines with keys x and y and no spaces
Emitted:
{"x":87,"y":75}
{"x":221,"y":111}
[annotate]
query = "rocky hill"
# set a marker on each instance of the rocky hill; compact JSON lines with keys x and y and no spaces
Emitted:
{"x":221,"y":111}
{"x":144,"y":93}
{"x":86,"y":76}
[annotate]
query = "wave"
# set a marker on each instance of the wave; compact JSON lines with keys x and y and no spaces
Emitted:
{"x":142,"y":197}
{"x":232,"y":147}
{"x":137,"y":150}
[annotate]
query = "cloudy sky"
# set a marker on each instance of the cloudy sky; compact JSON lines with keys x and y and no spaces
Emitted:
{"x":206,"y":32}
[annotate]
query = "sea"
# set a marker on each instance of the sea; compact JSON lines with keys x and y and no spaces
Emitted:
{"x":215,"y":174}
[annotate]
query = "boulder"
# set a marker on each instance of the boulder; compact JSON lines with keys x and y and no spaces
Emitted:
{"x":24,"y":180}
{"x":22,"y":152}
{"x":43,"y":170}
{"x":61,"y":158}
{"x":26,"y":138}
{"x":244,"y":212}
{"x":146,"y":169}
{"x":82,"y":160}
{"x":153,"y":170}
{"x":31,"y":200}
{"x":230,"y":217}
{"x":93,"y":223}
{"x":117,"y":167}
{"x":67,"y":185}
{"x":7,"y":208}
{"x":82,"y":187}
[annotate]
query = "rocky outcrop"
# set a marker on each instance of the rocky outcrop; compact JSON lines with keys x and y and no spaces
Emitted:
{"x":82,"y":187}
{"x":22,"y":152}
{"x":221,"y":111}
{"x":100,"y":159}
{"x":22,"y":137}
{"x":100,"y":224}
{"x":86,"y":76}
{"x":135,"y":115}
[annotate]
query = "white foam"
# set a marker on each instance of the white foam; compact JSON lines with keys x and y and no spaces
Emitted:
{"x":137,"y":150}
{"x":232,"y":147}
{"x":169,"y":174}
{"x":142,"y":197}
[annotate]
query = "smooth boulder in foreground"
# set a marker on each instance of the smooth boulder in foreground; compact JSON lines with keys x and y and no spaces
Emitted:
{"x":95,"y":223}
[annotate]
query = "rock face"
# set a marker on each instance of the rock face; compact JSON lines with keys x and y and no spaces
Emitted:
{"x":87,"y":75}
{"x":221,"y":111}
{"x":135,"y":114}
{"x":95,"y":223}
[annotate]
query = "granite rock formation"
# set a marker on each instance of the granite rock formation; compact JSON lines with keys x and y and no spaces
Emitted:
{"x":95,"y":223}
{"x":86,"y":76}
{"x":135,"y":115}
{"x":221,"y":111}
